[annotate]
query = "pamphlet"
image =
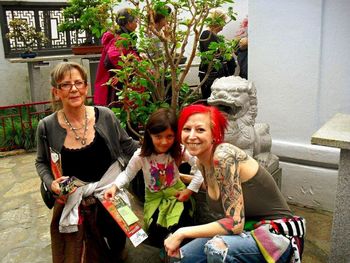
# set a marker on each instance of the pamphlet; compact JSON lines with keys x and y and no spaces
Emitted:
{"x":126,"y":218}
{"x":128,"y":215}
{"x":56,"y":163}
{"x":68,"y":185}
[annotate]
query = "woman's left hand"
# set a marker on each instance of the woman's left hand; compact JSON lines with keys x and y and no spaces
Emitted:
{"x":172,"y":244}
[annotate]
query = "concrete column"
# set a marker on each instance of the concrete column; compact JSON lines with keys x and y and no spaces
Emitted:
{"x":336,"y":133}
{"x":340,"y":246}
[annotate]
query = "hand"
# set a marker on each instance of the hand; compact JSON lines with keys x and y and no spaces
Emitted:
{"x":55,"y":186}
{"x":110,"y":192}
{"x":183,"y":195}
{"x":172,"y":244}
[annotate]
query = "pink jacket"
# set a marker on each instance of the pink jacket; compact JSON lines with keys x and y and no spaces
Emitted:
{"x":114,"y":53}
{"x":102,"y":75}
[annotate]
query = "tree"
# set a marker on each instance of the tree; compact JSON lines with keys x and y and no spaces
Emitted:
{"x":25,"y":35}
{"x":92,"y":17}
{"x":161,"y":70}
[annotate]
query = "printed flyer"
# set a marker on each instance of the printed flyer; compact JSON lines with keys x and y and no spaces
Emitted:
{"x":126,"y":218}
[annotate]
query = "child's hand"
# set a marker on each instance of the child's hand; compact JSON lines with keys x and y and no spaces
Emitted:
{"x":110,"y":192}
{"x":183,"y":195}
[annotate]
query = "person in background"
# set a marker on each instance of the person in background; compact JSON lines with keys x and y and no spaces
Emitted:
{"x":166,"y":207}
{"x":84,"y":141}
{"x":256,"y":224}
{"x":242,"y":57}
{"x":217,"y":20}
{"x":127,"y":23}
{"x":157,"y":29}
{"x":156,"y":32}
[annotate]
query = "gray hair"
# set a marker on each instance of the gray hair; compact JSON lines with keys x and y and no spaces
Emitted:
{"x":124,"y":16}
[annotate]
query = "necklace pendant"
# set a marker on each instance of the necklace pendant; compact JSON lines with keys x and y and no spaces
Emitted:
{"x":77,"y":137}
{"x":83,"y":141}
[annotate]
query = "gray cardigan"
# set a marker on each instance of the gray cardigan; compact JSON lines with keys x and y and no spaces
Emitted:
{"x":119,"y":143}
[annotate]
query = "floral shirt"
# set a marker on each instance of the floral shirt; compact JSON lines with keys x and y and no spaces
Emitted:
{"x":159,"y":171}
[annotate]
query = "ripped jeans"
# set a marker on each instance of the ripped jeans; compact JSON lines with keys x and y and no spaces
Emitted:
{"x":230,"y":249}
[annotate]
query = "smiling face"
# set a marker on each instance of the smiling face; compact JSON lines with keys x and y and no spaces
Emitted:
{"x":197,"y":136}
{"x":163,"y":141}
{"x":74,"y":97}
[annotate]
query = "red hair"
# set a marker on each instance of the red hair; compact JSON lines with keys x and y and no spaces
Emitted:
{"x":218,"y":120}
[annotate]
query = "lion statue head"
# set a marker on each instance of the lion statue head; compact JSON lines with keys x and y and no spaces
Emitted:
{"x":236,"y":97}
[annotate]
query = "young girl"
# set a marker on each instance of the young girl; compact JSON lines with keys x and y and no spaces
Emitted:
{"x":166,"y":207}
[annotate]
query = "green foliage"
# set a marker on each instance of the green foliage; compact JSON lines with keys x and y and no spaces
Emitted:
{"x":25,"y":34}
{"x":15,"y":135}
{"x":90,"y":16}
{"x":223,"y":49}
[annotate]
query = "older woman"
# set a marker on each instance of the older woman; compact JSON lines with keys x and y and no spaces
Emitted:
{"x":83,"y":141}
{"x":256,"y":223}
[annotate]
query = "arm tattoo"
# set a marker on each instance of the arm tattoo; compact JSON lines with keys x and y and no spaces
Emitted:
{"x":227,"y":159}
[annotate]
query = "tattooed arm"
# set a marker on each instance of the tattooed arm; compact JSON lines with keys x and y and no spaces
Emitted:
{"x":231,"y":164}
{"x":228,"y":163}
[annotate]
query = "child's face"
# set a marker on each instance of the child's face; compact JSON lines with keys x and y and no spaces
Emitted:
{"x":163,"y":141}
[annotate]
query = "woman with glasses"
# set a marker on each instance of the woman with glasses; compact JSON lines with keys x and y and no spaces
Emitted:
{"x":83,"y":142}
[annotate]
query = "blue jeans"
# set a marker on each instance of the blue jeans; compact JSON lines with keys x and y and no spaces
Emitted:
{"x":233,"y":249}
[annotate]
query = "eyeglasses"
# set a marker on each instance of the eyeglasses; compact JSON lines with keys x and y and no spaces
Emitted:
{"x":69,"y":86}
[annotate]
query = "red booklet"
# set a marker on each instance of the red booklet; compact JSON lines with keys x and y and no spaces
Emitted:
{"x":56,"y":163}
{"x":125,"y":217}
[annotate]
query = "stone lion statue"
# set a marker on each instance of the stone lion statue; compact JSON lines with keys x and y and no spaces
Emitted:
{"x":237,"y":97}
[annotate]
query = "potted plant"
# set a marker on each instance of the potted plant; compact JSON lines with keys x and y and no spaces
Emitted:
{"x":25,"y":36}
{"x":160,"y":73}
{"x":90,"y":18}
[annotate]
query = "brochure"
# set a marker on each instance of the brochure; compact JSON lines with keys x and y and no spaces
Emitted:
{"x":56,"y":163}
{"x":126,"y":218}
{"x":69,"y":184}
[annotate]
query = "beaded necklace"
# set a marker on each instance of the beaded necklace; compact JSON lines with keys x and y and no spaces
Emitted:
{"x":74,"y":130}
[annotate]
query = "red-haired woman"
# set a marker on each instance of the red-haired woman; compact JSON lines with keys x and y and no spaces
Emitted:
{"x":242,"y":192}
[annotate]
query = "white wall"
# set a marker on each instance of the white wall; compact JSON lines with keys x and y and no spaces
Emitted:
{"x":299,"y":61}
{"x":14,"y":81}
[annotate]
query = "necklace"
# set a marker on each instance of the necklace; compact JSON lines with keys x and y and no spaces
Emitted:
{"x":74,"y":130}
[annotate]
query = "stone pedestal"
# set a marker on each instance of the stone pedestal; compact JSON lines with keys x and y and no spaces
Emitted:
{"x":336,"y":133}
